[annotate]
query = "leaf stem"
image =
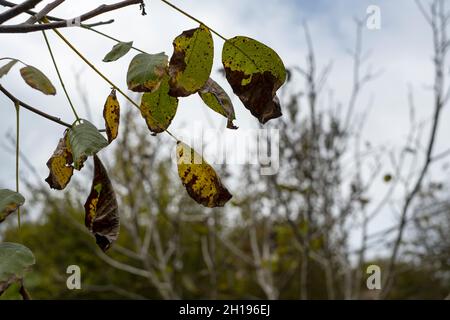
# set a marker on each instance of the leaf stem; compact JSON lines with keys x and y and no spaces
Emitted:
{"x":108,"y":36}
{"x":193,"y":18}
{"x":103,"y":76}
{"x":17,"y":105}
{"x":59,"y":76}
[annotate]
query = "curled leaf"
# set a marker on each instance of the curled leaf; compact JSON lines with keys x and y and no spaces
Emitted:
{"x":37,"y":80}
{"x":158,"y":108}
{"x":60,"y":165}
{"x":191,"y":62}
{"x":84,"y":140}
{"x":10,"y":201}
{"x":118,"y":51}
{"x":146,"y":71}
{"x":201,"y":181}
{"x":255,"y":72}
{"x":5,"y":69}
{"x":102,"y":215}
{"x":15,"y":261}
{"x":111,"y":114}
{"x":217,"y":99}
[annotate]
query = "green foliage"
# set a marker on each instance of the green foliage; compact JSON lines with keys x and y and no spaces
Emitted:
{"x":158,"y":108}
{"x":15,"y":260}
{"x":5,"y":69}
{"x":146,"y":72}
{"x":84,"y":140}
{"x":10,"y":201}
{"x":118,"y":51}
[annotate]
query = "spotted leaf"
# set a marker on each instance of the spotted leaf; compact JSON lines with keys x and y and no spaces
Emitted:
{"x":255,"y":72}
{"x":37,"y":80}
{"x":218,"y":100}
{"x":158,"y":108}
{"x":102,"y":215}
{"x":60,"y":165}
{"x":201,"y":181}
{"x":111,"y":114}
{"x":191,"y":62}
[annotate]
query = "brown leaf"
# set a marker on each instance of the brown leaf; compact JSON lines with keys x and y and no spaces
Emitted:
{"x":102,"y":215}
{"x":111,"y":114}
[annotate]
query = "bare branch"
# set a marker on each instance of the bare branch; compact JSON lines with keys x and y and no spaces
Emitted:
{"x":18,"y":9}
{"x":41,"y":14}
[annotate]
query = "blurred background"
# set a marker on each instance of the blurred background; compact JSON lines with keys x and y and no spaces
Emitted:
{"x":363,"y":154}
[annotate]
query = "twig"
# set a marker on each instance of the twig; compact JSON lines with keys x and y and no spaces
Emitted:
{"x":18,"y":9}
{"x":24,"y":28}
{"x":32,"y":109}
{"x":41,"y":14}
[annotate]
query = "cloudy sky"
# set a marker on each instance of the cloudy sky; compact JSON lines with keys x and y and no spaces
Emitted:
{"x":401,"y":48}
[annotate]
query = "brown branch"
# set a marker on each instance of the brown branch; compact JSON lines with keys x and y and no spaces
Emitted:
{"x":41,"y":14}
{"x":32,"y":109}
{"x":18,"y":9}
{"x":24,"y":28}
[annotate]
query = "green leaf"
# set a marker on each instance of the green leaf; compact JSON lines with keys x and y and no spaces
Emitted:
{"x":118,"y":51}
{"x":15,"y":260}
{"x":217,"y":99}
{"x":255,"y":72}
{"x":84,"y":140}
{"x":158,"y":108}
{"x":191,"y":62}
{"x":37,"y":80}
{"x":102,"y":214}
{"x":5,"y":69}
{"x":10,"y":201}
{"x":146,"y":71}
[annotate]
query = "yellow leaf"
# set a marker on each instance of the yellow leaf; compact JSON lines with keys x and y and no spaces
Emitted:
{"x":60,"y":166}
{"x":201,"y":181}
{"x":111,"y":114}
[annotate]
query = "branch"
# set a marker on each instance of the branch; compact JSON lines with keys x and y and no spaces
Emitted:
{"x":32,"y":109}
{"x":18,"y":9}
{"x":41,"y":14}
{"x":24,"y":28}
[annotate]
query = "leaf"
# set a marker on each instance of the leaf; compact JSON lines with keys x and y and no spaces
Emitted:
{"x":37,"y":80}
{"x":118,"y":51}
{"x":5,"y":69}
{"x":60,"y":165}
{"x":15,"y":260}
{"x":158,"y":108}
{"x":217,"y":99}
{"x":146,"y":71}
{"x":84,"y":140}
{"x":191,"y":62}
{"x":201,"y":181}
{"x":10,"y":201}
{"x":255,"y":72}
{"x":102,"y":215}
{"x":111,"y":114}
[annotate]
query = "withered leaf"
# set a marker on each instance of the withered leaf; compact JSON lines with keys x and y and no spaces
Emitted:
{"x":191,"y":62}
{"x":37,"y":80}
{"x":201,"y":181}
{"x":60,"y":165}
{"x":218,"y":100}
{"x":111,"y":114}
{"x":255,"y":72}
{"x":102,"y":214}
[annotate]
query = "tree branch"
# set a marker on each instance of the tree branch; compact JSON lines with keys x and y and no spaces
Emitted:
{"x":49,"y":7}
{"x":24,"y":28}
{"x":32,"y":109}
{"x":18,"y":9}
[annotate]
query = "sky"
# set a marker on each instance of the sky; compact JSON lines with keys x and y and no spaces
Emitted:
{"x":401,"y":48}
